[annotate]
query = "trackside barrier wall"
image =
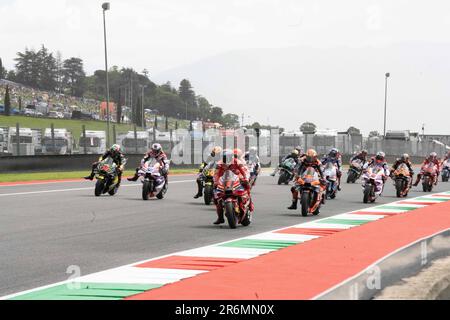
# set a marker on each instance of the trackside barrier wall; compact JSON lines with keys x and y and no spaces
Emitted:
{"x":403,"y":263}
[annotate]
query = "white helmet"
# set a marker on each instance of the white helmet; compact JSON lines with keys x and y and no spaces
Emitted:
{"x":156,"y":147}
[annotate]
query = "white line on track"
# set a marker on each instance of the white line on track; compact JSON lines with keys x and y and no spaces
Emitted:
{"x":76,"y":189}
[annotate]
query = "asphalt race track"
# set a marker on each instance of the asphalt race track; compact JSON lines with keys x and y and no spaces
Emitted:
{"x":45,"y":228}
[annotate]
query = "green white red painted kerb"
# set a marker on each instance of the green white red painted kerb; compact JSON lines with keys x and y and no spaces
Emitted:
{"x":139,"y":277}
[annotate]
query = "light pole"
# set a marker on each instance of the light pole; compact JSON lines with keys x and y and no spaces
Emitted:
{"x":142,"y":105}
{"x":105,"y":7}
{"x":385,"y":101}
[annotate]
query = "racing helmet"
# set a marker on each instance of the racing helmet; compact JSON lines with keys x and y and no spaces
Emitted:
{"x":295,"y":153}
{"x":237,"y":153}
{"x":405,"y":157}
{"x":364,"y":152}
{"x":432,"y":156}
{"x":156,"y":148}
{"x":227,"y":156}
{"x":299,"y":149}
{"x":115,"y":148}
{"x":333,"y":152}
{"x":252,"y":150}
{"x":311,"y":155}
{"x":216,"y":151}
{"x":379,"y":158}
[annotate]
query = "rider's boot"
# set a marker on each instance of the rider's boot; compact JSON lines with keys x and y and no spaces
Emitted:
{"x":220,"y":218}
{"x":90,"y":177}
{"x":293,"y":206}
{"x":135,"y":177}
{"x":419,"y":176}
{"x":200,"y":189}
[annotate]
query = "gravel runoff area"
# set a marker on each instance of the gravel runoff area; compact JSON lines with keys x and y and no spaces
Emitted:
{"x":432,"y":283}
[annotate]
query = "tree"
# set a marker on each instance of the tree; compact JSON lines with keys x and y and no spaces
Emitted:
{"x":7,"y":102}
{"x":216,"y":114}
{"x":353,"y":131}
{"x":308,"y":127}
{"x":187,"y":95}
{"x":74,"y":76}
{"x":230,"y":120}
{"x":374,"y":134}
{"x":3,"y":71}
{"x":36,"y":69}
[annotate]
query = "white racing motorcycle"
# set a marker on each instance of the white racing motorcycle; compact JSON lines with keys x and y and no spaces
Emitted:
{"x":373,"y":183}
{"x":330,"y":174}
{"x":153,"y":182}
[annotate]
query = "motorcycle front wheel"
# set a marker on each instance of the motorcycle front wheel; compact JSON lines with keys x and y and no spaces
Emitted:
{"x":367,"y":192}
{"x":229,"y":213}
{"x":305,"y":202}
{"x":207,"y":196}
{"x":399,"y":187}
{"x":146,"y":188}
{"x":99,"y":186}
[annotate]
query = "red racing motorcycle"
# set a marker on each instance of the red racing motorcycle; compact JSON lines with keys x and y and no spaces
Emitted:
{"x":234,"y":199}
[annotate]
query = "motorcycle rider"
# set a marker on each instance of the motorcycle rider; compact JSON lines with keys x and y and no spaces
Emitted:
{"x":362,"y":156}
{"x":295,"y":154}
{"x":252,"y":156}
{"x":379,"y":160}
{"x":157,"y":153}
{"x":335,"y":158}
{"x":115,"y":153}
{"x":432,"y":158}
{"x":212,"y":159}
{"x":310,"y":159}
{"x":403,"y":159}
{"x":232,"y":160}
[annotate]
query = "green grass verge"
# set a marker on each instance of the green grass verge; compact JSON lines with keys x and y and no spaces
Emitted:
{"x":15,"y":177}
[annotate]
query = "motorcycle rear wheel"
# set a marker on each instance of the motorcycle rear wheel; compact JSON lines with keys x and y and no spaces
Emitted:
{"x":229,"y":213}
{"x":113,"y":191}
{"x":163,"y":191}
{"x":247,"y":219}
{"x":281,"y":178}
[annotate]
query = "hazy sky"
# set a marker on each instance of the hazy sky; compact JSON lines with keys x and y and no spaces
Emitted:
{"x":164,"y":34}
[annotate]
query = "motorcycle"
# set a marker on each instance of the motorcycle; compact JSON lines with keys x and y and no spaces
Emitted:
{"x":153,"y":182}
{"x":355,"y":171}
{"x":373,"y":183}
{"x":286,"y":171}
{"x":107,"y":178}
{"x":234,"y":199}
{"x":208,"y":192}
{"x":445,"y":171}
{"x":251,"y":165}
{"x":311,"y":192}
{"x":428,"y":177}
{"x":330,"y":174}
{"x":402,"y":180}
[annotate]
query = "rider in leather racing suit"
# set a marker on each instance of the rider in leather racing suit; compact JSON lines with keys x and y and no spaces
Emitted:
{"x":157,"y":153}
{"x":432,"y":158}
{"x":335,"y":158}
{"x":117,"y":156}
{"x":232,"y":161}
{"x":210,"y":162}
{"x":404,"y":159}
{"x":308,"y":160}
{"x":252,"y":155}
